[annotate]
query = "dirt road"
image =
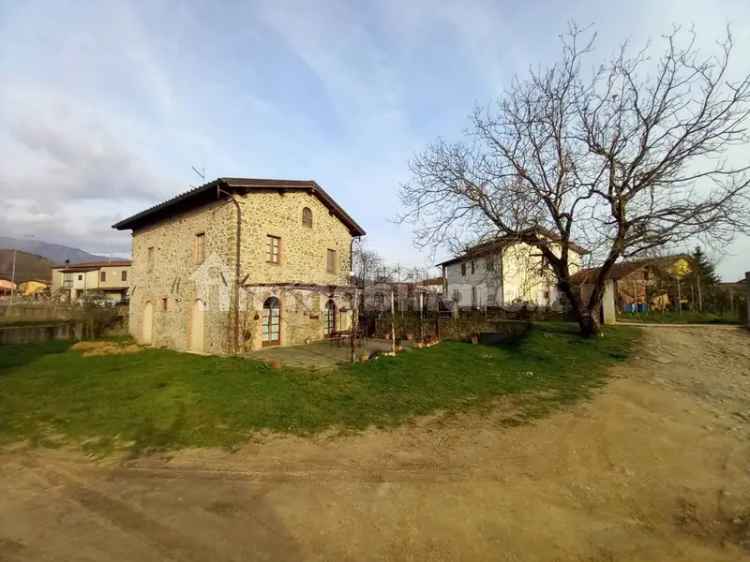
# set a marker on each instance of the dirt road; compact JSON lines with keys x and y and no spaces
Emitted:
{"x":656,"y":467}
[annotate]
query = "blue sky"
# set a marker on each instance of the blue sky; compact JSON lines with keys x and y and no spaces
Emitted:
{"x":105,"y":106}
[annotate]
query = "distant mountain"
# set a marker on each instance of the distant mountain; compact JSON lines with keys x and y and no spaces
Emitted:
{"x":55,"y":253}
{"x":28,"y":266}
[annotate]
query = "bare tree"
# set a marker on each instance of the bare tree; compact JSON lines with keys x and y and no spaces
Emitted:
{"x":625,"y":158}
{"x":366,"y":263}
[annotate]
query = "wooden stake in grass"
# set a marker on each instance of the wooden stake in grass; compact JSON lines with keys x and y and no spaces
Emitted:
{"x":393,"y":324}
{"x":421,"y":316}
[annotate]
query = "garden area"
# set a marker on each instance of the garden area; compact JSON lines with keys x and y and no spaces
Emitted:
{"x":122,"y":397}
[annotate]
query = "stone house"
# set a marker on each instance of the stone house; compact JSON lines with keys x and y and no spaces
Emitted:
{"x":505,"y":272}
{"x":238,"y":264}
{"x":108,"y":280}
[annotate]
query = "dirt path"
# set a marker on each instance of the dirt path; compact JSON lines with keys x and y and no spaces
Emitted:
{"x":656,"y":467}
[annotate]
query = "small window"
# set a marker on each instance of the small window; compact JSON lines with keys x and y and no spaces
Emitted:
{"x":273,"y":249}
{"x":164,"y":303}
{"x":331,"y":261}
{"x":472,"y":267}
{"x":124,"y":275}
{"x":103,"y":276}
{"x":150,"y":258}
{"x":80,"y":277}
{"x":307,"y":217}
{"x":199,"y":248}
{"x":490,"y":264}
{"x":463,"y":270}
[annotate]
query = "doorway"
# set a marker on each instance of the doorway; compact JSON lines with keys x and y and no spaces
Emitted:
{"x":271,"y":322}
{"x":148,"y":324}
{"x":330,"y":319}
{"x":196,"y":327}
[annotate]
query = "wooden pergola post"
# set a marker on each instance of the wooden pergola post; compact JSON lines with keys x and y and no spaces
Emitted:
{"x":393,"y":323}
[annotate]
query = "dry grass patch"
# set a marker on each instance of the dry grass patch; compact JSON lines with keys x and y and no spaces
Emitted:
{"x":100,"y":348}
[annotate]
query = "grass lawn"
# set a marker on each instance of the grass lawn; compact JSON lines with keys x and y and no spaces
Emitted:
{"x":158,"y":399}
{"x":687,"y":317}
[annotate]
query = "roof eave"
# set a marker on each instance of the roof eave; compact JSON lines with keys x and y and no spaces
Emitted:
{"x":246,"y":183}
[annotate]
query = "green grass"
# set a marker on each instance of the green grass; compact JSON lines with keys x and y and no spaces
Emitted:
{"x":687,"y":317}
{"x":159,"y":399}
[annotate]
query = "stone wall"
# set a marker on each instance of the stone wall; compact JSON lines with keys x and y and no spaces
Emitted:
{"x":175,"y":283}
{"x":37,"y":333}
{"x":32,"y":312}
{"x":302,"y":314}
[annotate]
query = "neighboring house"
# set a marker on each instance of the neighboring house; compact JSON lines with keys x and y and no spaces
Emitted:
{"x":735,"y":292}
{"x":108,"y":280}
{"x":7,"y":287}
{"x":636,"y":282}
{"x":505,"y":272}
{"x":34,"y":288}
{"x":293,"y":262}
{"x":433,"y":285}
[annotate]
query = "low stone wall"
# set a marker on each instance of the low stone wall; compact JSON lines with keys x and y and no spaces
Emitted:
{"x":36,"y":333}
{"x":37,"y":312}
{"x":96,"y":321}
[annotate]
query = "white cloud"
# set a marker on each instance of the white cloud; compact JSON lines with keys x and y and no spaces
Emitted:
{"x":104,"y":107}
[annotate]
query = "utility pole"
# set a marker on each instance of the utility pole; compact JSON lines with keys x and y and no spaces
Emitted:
{"x":13,"y":277}
{"x":679,"y":297}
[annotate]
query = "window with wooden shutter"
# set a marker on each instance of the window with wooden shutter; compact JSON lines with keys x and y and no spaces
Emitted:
{"x":274,"y":249}
{"x":331,"y":261}
{"x":307,"y":218}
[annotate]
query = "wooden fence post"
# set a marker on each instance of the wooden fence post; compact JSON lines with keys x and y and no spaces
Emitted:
{"x":393,"y":324}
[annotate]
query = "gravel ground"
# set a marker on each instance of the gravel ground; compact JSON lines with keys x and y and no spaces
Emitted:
{"x":656,"y":467}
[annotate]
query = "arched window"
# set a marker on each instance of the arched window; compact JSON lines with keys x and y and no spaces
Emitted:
{"x":271,"y":321}
{"x":307,"y":217}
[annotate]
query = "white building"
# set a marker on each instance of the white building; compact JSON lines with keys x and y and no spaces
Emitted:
{"x":108,"y":280}
{"x":505,"y":272}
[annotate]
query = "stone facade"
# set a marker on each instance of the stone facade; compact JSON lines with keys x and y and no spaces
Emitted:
{"x":179,"y":303}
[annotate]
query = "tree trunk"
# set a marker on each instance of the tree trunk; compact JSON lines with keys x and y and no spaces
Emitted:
{"x":589,"y":324}
{"x":587,"y":318}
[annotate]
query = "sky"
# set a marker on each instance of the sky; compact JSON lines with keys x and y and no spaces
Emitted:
{"x":106,"y":106}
